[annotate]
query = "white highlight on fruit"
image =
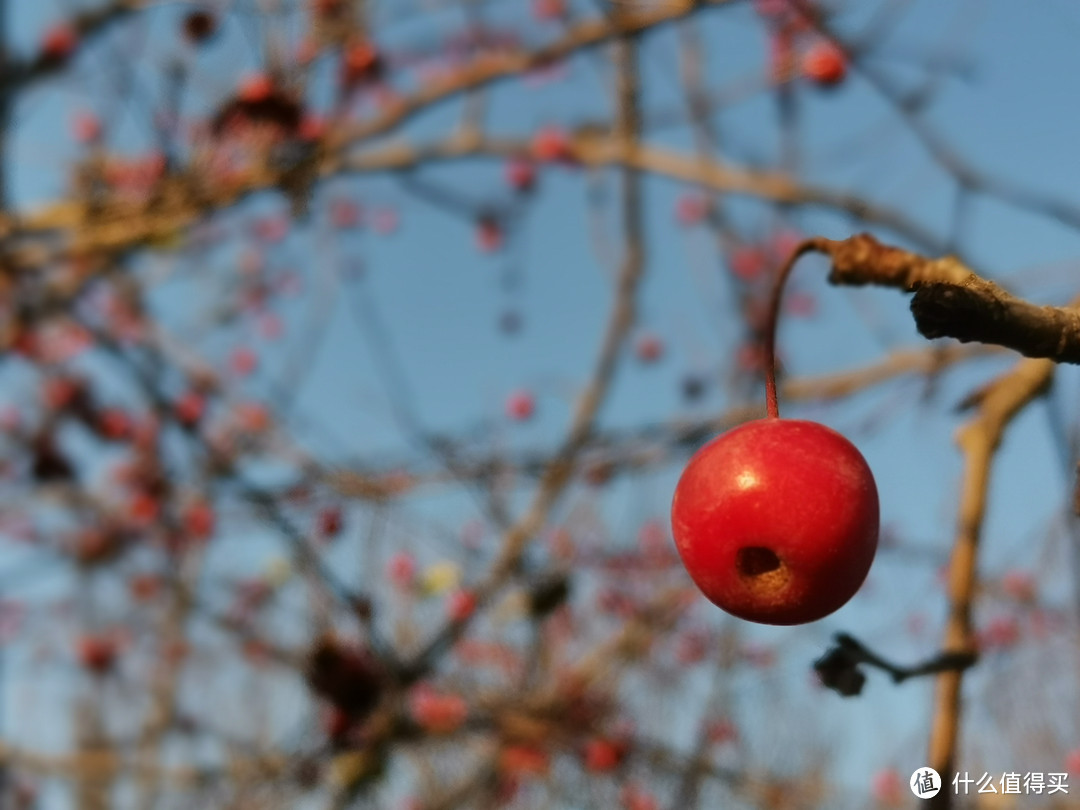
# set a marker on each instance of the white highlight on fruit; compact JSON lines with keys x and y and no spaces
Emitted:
{"x":746,"y":480}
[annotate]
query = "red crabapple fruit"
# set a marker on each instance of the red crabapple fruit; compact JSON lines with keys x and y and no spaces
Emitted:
{"x":777,"y":520}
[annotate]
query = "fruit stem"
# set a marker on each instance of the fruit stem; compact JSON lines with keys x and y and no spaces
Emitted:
{"x":806,"y":246}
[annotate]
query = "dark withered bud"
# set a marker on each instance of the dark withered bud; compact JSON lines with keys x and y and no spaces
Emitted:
{"x":693,"y":388}
{"x":547,"y":594}
{"x":200,"y":26}
{"x":349,"y":677}
{"x":49,"y":463}
{"x":839,"y":671}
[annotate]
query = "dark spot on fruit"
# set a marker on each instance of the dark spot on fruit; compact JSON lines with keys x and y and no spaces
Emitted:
{"x":753,"y":561}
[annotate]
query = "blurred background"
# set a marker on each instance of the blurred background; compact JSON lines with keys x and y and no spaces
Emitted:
{"x":352,"y":350}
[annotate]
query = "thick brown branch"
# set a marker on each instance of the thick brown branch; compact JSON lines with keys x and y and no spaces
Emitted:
{"x":981,"y":311}
{"x":951,"y":301}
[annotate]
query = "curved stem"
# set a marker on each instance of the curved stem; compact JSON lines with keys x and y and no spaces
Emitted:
{"x":771,"y":322}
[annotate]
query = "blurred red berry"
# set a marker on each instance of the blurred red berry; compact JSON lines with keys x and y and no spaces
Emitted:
{"x":331,"y":521}
{"x":97,"y":653}
{"x":115,"y":424}
{"x":750,"y":357}
{"x":548,"y":10}
{"x":520,"y":406}
{"x":327,"y":8}
{"x":721,"y":731}
{"x":59,"y":41}
{"x":189,"y":408}
{"x":489,"y":235}
{"x":824,"y":64}
{"x":86,"y":127}
{"x":1019,"y":585}
{"x":635,"y":797}
{"x":345,"y":214}
{"x":360,"y":63}
{"x":747,"y":263}
{"x":271,"y":229}
{"x":888,"y":787}
{"x":649,"y":348}
{"x":270,"y":326}
{"x":800,"y":304}
{"x":783,"y":244}
{"x":61,"y":392}
{"x":436,"y":712}
{"x":758,"y":656}
{"x":601,"y":755}
{"x":401,"y":570}
{"x":1072,"y":762}
{"x":198,"y":520}
{"x":143,"y":508}
{"x":523,"y":760}
{"x":337,"y":723}
{"x":243,"y":361}
{"x":1000,"y":633}
{"x":144,"y":587}
{"x":460,"y":605}
{"x":312,"y":127}
{"x":692,"y":647}
{"x":255,"y":88}
{"x":691,"y":209}
{"x":251,"y":417}
{"x":551,"y":144}
{"x":384,"y":221}
{"x":521,"y":175}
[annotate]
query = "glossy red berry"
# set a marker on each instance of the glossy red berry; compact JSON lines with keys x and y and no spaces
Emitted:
{"x":777,"y":520}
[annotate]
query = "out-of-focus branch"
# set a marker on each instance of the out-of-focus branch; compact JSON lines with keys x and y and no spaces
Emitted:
{"x":103,"y":765}
{"x":619,"y":323}
{"x":83,"y":24}
{"x":125,"y":225}
{"x":649,"y":445}
{"x":978,"y":441}
{"x":596,"y":150}
{"x":559,"y":471}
